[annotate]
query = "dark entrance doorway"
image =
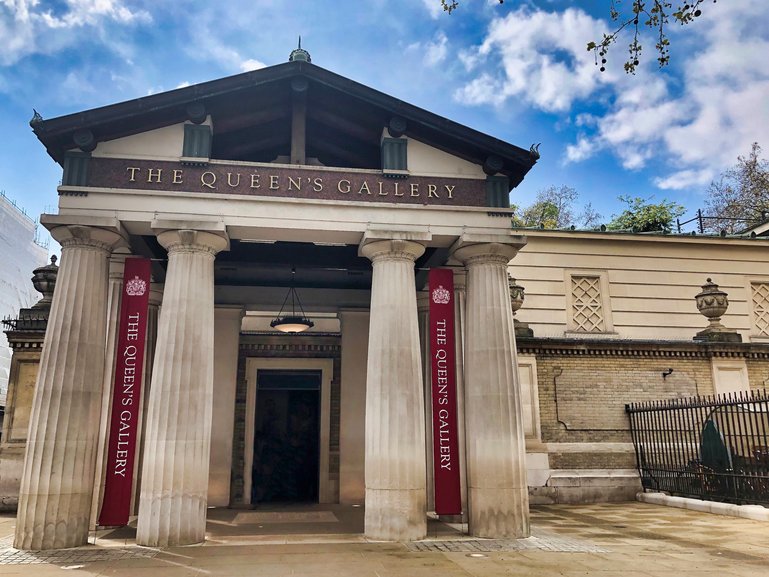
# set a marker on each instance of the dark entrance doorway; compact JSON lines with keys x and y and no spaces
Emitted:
{"x":287,"y":436}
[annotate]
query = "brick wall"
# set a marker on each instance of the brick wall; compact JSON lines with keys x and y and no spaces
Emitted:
{"x":584,"y":386}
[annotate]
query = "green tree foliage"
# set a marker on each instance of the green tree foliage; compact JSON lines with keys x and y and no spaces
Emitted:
{"x":644,"y":216}
{"x":554,"y":207}
{"x":632,"y":17}
{"x":740,"y":196}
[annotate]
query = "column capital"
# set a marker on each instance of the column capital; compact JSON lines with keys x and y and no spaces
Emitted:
{"x":230,"y":311}
{"x":78,"y":235}
{"x":486,"y":252}
{"x":394,"y":249}
{"x":117,"y":262}
{"x":460,"y":278}
{"x":189,"y":240}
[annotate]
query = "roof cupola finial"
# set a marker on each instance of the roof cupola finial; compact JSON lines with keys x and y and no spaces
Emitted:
{"x":299,"y":54}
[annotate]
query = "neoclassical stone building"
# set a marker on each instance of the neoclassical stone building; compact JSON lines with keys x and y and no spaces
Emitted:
{"x":293,"y":196}
{"x":290,"y":177}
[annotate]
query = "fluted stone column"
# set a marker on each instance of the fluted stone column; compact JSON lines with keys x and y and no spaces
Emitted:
{"x":495,"y":443}
{"x":172,"y":506}
{"x":423,"y":316}
{"x":460,"y":294}
{"x":60,"y":461}
{"x":395,"y":427}
{"x":150,"y":342}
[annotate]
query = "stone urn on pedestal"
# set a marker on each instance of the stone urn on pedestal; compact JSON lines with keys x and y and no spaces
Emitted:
{"x":712,"y":304}
{"x":516,"y":302}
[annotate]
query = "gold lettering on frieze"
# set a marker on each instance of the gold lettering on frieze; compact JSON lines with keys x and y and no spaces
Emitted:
{"x":229,"y":180}
{"x":208,"y":179}
{"x":299,"y":184}
{"x":295,"y":183}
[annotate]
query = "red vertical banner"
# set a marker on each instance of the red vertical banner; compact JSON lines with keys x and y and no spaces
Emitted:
{"x":124,"y":421}
{"x":448,"y":497}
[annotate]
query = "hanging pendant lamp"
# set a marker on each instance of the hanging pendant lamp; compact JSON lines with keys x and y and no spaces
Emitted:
{"x":292,"y":323}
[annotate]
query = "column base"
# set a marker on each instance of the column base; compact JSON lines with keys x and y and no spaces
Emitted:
{"x":182,"y":522}
{"x":45,"y":534}
{"x":395,"y":514}
{"x":499,"y":513}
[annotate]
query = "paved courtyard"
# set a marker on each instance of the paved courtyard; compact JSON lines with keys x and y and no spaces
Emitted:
{"x":627,"y":540}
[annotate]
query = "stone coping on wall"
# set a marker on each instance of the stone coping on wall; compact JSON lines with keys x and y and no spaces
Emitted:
{"x":640,"y":348}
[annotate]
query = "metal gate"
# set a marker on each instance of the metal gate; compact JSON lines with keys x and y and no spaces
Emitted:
{"x":714,"y":448}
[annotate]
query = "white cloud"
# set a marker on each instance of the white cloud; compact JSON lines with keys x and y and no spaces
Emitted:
{"x":436,"y":51}
{"x":582,"y":150}
{"x":251,"y":64}
{"x":30,"y":27}
{"x":483,"y":90}
{"x":695,"y":121}
{"x":685,"y":179}
{"x":434,"y":8}
{"x":542,"y":58}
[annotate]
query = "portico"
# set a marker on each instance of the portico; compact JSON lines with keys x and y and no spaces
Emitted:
{"x":224,"y":226}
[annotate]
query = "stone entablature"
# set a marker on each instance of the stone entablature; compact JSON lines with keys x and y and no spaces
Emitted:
{"x":284,"y":181}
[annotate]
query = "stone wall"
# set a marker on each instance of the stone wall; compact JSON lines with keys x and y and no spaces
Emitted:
{"x":583,"y":388}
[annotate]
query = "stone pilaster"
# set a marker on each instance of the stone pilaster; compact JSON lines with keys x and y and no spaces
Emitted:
{"x":495,"y":443}
{"x":60,"y":460}
{"x":172,"y":506}
{"x":395,"y":426}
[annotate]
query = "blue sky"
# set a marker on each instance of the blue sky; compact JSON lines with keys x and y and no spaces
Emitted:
{"x":519,"y":71}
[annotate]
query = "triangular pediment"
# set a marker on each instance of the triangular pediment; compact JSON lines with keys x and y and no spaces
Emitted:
{"x":251,"y":117}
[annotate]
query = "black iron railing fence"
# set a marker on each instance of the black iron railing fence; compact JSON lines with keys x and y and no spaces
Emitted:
{"x":714,"y":448}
